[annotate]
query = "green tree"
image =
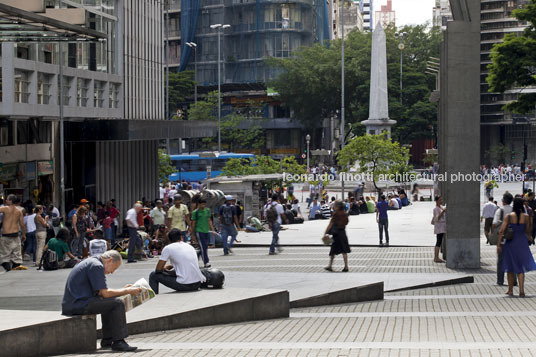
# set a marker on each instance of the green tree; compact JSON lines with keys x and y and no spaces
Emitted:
{"x":514,"y":62}
{"x":165,"y":166}
{"x":181,"y":86}
{"x":498,"y":153}
{"x":375,"y":155}
{"x":309,"y":82}
{"x":241,"y":128}
{"x":262,"y":165}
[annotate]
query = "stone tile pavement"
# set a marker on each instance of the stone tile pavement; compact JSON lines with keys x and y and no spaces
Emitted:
{"x":457,"y":320}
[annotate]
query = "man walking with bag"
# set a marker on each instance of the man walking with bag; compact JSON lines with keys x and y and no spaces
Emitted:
{"x":275,"y":215}
{"x":228,"y":222}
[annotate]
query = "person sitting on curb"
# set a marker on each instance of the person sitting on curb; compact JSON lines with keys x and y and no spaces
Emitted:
{"x":183,"y":274}
{"x":86,"y":293}
{"x":59,"y":245}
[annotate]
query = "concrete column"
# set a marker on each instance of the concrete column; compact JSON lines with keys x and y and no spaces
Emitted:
{"x":460,"y":133}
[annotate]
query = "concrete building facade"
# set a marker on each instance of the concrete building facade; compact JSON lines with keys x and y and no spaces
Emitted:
{"x":113,"y":107}
{"x":497,"y":125}
{"x":441,"y":14}
{"x":353,"y":18}
{"x":386,"y":15}
{"x":367,"y":10}
{"x":256,"y":30}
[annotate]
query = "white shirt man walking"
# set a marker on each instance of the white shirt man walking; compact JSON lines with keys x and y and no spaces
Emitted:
{"x":132,"y":224}
{"x":488,"y":212}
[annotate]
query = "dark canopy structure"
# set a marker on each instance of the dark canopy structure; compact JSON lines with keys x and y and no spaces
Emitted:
{"x":18,"y":25}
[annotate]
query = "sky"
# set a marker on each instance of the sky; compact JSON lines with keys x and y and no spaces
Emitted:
{"x":409,"y":12}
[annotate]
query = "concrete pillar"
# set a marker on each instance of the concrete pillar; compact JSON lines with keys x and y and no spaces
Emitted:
{"x":459,"y":133}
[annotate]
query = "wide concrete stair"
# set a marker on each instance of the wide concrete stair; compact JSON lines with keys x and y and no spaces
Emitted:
{"x":45,"y":333}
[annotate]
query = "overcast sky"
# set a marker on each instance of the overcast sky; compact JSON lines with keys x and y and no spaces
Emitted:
{"x":409,"y":12}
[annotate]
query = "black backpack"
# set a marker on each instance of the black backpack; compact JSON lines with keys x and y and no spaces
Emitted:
{"x":49,"y":260}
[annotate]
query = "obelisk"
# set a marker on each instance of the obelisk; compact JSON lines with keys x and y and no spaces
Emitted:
{"x":378,"y":120}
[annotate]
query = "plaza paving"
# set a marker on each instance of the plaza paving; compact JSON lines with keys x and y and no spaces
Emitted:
{"x":474,"y":319}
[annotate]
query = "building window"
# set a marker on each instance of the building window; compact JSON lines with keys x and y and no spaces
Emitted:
{"x":114,"y":95}
{"x":82,"y":89}
{"x":6,"y":132}
{"x":98,"y":94}
{"x":43,"y":88}
{"x":282,"y":138}
{"x":21,"y":86}
{"x":67,"y":81}
{"x":25,"y":51}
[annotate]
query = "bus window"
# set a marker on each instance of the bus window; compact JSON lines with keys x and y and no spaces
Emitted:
{"x":218,"y":164}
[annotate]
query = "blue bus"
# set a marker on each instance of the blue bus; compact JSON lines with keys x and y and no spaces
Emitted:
{"x":192,"y":168}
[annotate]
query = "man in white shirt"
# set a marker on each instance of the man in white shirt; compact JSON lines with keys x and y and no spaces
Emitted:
{"x":276,"y":225}
{"x":183,"y":274}
{"x":393,"y":203}
{"x":162,"y":191}
{"x":132,"y":224}
{"x":158,"y":215}
{"x":488,"y":212}
{"x":502,"y":212}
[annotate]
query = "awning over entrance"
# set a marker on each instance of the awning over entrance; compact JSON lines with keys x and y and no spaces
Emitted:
{"x":17,"y":25}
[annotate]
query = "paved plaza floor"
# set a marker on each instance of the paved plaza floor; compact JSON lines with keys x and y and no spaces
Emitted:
{"x":475,"y":319}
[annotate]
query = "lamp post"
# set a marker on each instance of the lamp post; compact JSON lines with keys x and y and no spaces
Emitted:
{"x":194,"y":46}
{"x":308,"y":140}
{"x":401,"y":47}
{"x":219,"y":28}
{"x":342,"y":91}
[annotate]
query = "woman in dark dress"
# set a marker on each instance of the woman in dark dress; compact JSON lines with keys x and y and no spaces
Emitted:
{"x":337,"y":228}
{"x":517,"y":257}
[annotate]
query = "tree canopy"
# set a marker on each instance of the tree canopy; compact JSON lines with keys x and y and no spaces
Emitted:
{"x":514,"y":62}
{"x":375,"y":155}
{"x":309,"y":82}
{"x":238,"y":130}
{"x":165,"y":166}
{"x":181,"y":86}
{"x":262,"y":165}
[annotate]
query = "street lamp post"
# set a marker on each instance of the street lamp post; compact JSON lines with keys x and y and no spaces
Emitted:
{"x":194,"y":46}
{"x":401,"y":47}
{"x":342,"y":91}
{"x":219,"y":28}
{"x":308,"y":140}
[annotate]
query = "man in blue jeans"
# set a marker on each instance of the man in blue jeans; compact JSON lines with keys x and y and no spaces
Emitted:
{"x":201,"y":228}
{"x":228,"y":222}
{"x":132,"y":224}
{"x":383,"y":221}
{"x":275,"y":215}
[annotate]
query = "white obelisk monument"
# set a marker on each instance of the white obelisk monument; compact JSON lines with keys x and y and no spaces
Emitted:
{"x":378,"y":120}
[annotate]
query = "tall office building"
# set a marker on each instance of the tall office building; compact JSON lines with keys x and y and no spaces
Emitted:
{"x":113,"y":100}
{"x":353,"y":18}
{"x":367,"y":11}
{"x":497,"y":125}
{"x":441,"y":13}
{"x":386,"y":15}
{"x":252,"y":31}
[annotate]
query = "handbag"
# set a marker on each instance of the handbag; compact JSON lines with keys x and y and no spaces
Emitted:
{"x":509,"y":232}
{"x":327,"y":240}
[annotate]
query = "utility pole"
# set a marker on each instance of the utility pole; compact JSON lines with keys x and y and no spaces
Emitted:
{"x":342,"y":92}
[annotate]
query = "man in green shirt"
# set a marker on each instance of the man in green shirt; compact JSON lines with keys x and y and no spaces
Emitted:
{"x":371,"y":207}
{"x":201,"y":226}
{"x":60,"y":246}
{"x":158,"y":215}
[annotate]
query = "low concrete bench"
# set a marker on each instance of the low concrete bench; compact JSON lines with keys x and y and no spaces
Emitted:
{"x":45,"y":333}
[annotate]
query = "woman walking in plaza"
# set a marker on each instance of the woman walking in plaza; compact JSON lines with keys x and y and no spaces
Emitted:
{"x":517,"y":257}
{"x":440,"y":226}
{"x":79,"y":229}
{"x":40,"y":233}
{"x":337,"y":228}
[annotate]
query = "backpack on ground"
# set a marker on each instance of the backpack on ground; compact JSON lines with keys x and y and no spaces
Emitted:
{"x":49,"y":260}
{"x":271,"y":214}
{"x":227,"y":215}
